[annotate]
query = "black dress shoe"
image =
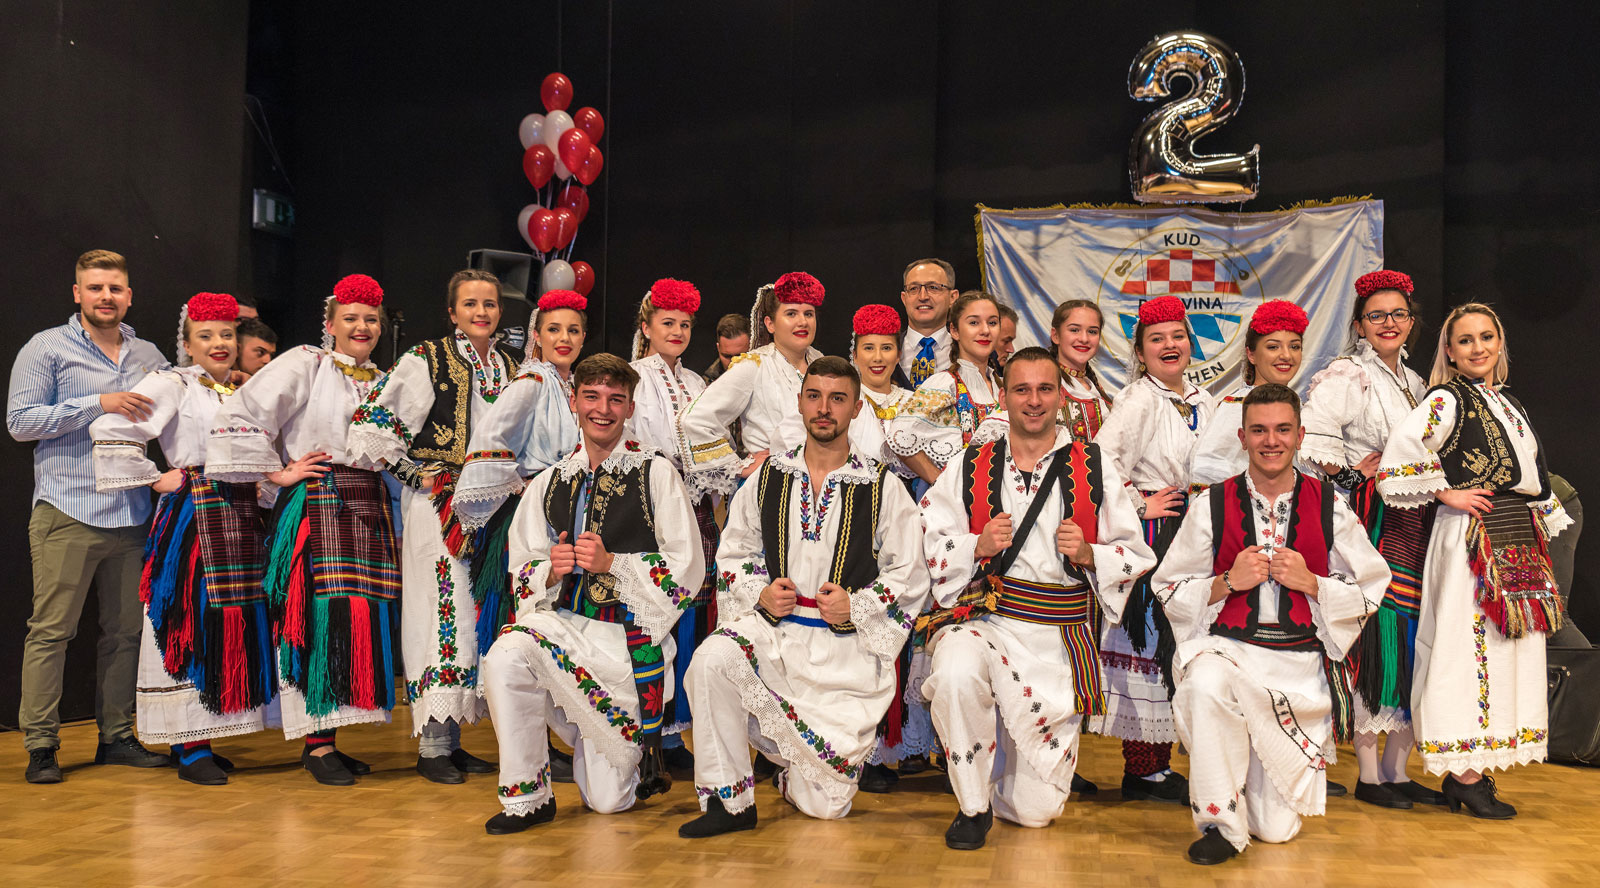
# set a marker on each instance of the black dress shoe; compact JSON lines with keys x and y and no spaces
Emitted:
{"x":968,"y":833}
{"x":1382,"y":795}
{"x":716,"y":821}
{"x":329,"y":769}
{"x":1174,"y":789}
{"x":438,"y":769}
{"x":504,"y":824}
{"x":878,"y":779}
{"x":1418,"y":793}
{"x":353,"y":765}
{"x":203,"y":771}
{"x":223,"y":762}
{"x":467,"y":763}
{"x":560,"y":766}
{"x":1211,"y":849}
{"x":1479,"y":798}
{"x":764,"y":767}
{"x":915,"y":764}
{"x":42,"y":767}
{"x":127,"y":751}
{"x":678,"y":758}
{"x":1082,"y":786}
{"x":1336,"y":789}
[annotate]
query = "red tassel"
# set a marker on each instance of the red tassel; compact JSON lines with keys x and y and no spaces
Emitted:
{"x":144,"y":578}
{"x":294,"y":616}
{"x":892,"y":734}
{"x":235,"y":671}
{"x":362,"y":687}
{"x":180,"y":640}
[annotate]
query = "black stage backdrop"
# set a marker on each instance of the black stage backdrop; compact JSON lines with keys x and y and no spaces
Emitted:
{"x":746,"y":140}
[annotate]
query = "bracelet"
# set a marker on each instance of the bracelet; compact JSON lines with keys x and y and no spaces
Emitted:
{"x":1349,"y":478}
{"x":1227,"y":583}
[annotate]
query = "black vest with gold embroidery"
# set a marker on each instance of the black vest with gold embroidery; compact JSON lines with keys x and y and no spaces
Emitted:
{"x":1478,"y":451}
{"x":443,"y":437}
{"x":619,"y":509}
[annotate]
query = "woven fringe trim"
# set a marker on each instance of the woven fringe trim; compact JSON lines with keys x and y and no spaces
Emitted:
{"x":1513,"y":615}
{"x":489,"y":571}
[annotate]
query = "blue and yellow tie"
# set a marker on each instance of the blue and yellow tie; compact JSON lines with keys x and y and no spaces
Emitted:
{"x":922,"y":365}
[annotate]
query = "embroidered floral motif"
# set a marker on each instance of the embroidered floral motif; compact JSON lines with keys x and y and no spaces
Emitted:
{"x":1505,"y":407}
{"x":491,"y":454}
{"x":446,"y":675}
{"x":527,"y":787}
{"x":599,"y":697}
{"x":662,"y":578}
{"x":488,"y":387}
{"x":726,"y":792}
{"x":447,"y":611}
{"x":1411,"y":470}
{"x":809,"y":530}
{"x":524,"y":587}
{"x":1435,"y":414}
{"x":239,"y":430}
{"x":1480,"y":653}
{"x":891,"y":607}
{"x":1480,"y":744}
{"x":380,"y":416}
{"x":1129,"y":663}
{"x":817,"y":742}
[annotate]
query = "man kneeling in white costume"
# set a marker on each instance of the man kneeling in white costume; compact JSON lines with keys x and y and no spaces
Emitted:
{"x":598,"y":545}
{"x":1027,"y":534}
{"x":1266,"y":585}
{"x":819,"y":580}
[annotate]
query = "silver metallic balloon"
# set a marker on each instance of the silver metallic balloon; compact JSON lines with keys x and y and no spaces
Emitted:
{"x":1162,"y":165}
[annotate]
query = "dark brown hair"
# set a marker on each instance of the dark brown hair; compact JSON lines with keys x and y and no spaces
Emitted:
{"x":956,"y":308}
{"x":731,"y":325}
{"x":470,"y":274}
{"x":835,"y":367}
{"x":604,"y":369}
{"x":1271,"y":393}
{"x":102,"y":259}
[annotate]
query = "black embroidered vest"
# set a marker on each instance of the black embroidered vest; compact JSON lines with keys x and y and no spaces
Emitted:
{"x":443,"y":436}
{"x":619,"y":509}
{"x":855,"y":555}
{"x":1478,"y":451}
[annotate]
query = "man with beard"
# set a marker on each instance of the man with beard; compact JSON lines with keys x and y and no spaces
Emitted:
{"x":820,"y":577}
{"x":1027,"y":535}
{"x":927,"y":287}
{"x":63,"y":379}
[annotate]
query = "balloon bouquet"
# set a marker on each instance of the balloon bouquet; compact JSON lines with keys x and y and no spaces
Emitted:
{"x":557,"y":148}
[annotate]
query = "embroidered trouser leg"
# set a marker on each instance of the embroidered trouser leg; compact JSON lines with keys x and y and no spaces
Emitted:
{"x":523,"y":714}
{"x":1228,"y":787}
{"x":722,"y":728}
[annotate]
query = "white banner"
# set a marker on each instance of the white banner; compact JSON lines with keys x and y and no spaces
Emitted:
{"x":1221,"y":264}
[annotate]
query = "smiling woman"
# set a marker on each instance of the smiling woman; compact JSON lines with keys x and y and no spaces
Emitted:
{"x":941,"y":417}
{"x":1272,"y":352}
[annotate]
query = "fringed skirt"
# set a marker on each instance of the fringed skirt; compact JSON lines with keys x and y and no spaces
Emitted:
{"x":698,"y":621}
{"x":333,"y":584}
{"x":1379,"y":667}
{"x":1136,"y":656}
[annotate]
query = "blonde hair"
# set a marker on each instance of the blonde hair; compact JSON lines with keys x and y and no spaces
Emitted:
{"x":1443,"y":371}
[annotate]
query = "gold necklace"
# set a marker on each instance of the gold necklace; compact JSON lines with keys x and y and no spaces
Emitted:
{"x":359,"y":374}
{"x":220,"y":388}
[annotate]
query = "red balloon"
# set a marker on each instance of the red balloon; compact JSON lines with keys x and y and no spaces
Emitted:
{"x":542,"y":230}
{"x":566,"y":226}
{"x":589,"y":169}
{"x":590,"y":121}
{"x":556,"y":91}
{"x":574,"y":147}
{"x":538,"y":164}
{"x":575,"y":198}
{"x":583,"y":272}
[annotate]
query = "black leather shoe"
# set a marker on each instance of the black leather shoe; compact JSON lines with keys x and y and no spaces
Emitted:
{"x":560,"y":766}
{"x":223,"y":762}
{"x":329,"y":769}
{"x":42,"y":767}
{"x":764,"y":767}
{"x":716,"y":821}
{"x":1211,"y":849}
{"x":127,"y":751}
{"x":1336,"y":789}
{"x":438,"y":769}
{"x":1082,"y":786}
{"x":1479,"y":798}
{"x":504,"y":824}
{"x":968,"y":833}
{"x":915,"y":764}
{"x":467,"y":763}
{"x":878,"y":779}
{"x":203,"y":771}
{"x":1382,"y":795}
{"x":678,"y":759}
{"x":1174,"y":789}
{"x":353,"y":765}
{"x":1417,"y":793}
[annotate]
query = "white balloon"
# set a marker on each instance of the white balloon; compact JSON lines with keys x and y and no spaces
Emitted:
{"x":562,"y":172}
{"x":531,"y":130}
{"x":522,"y":225}
{"x":557,"y":275}
{"x":555,"y":123}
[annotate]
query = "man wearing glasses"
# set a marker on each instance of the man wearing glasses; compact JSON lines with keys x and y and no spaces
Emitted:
{"x":927,"y":289}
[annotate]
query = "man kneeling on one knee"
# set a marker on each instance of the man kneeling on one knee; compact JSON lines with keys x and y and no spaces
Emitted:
{"x":1026,"y":535}
{"x":1267,"y":584}
{"x":598,"y":545}
{"x":820,"y":578}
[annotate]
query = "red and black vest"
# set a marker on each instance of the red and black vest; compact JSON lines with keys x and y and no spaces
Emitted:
{"x":1310,"y":533}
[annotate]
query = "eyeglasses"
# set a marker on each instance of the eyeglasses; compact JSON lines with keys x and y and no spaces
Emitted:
{"x":1400,"y":315}
{"x":930,"y":289}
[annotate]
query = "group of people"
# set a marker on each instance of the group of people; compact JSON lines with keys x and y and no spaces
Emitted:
{"x":937,"y":551}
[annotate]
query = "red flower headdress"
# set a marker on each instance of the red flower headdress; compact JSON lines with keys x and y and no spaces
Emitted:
{"x":212,"y":307}
{"x":670,"y":294}
{"x":799,"y":287}
{"x":358,"y":288}
{"x":563,"y":299}
{"x":1278,"y":314}
{"x":1162,"y":310}
{"x":876,"y":320}
{"x":1373,"y":281}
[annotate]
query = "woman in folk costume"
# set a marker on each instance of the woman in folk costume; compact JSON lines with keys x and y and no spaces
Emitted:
{"x":761,"y":390}
{"x":938,"y":421}
{"x":417,"y":424}
{"x":332,"y":578}
{"x":665,"y":321}
{"x":1488,"y":592}
{"x":1272,"y":347}
{"x":1352,"y":407}
{"x":205,"y":661}
{"x":1151,"y":437}
{"x":1075,"y":332}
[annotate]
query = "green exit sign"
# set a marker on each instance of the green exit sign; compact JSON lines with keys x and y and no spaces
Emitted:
{"x":272,"y":212}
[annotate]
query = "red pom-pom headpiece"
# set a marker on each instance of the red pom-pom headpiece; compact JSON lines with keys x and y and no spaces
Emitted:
{"x":670,"y":294}
{"x":212,"y":307}
{"x":563,"y":299}
{"x":799,"y":287}
{"x":1373,"y":281}
{"x":1278,"y":314}
{"x":876,"y":320}
{"x":1162,"y":310}
{"x":358,"y":288}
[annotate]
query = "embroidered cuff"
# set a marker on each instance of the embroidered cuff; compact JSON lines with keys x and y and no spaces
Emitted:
{"x":646,"y":587}
{"x":880,"y":623}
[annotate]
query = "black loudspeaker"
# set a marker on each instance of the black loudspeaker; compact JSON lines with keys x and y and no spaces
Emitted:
{"x":511,"y":268}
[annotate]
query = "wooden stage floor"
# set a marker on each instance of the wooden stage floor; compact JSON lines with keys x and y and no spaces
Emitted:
{"x":274,"y":826}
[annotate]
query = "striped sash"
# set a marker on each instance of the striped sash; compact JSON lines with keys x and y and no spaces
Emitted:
{"x":1072,"y":610}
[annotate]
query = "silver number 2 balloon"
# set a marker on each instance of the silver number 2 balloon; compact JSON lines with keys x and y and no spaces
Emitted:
{"x":1162,"y":165}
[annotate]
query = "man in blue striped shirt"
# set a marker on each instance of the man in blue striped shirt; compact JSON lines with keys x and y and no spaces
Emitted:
{"x":63,"y":379}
